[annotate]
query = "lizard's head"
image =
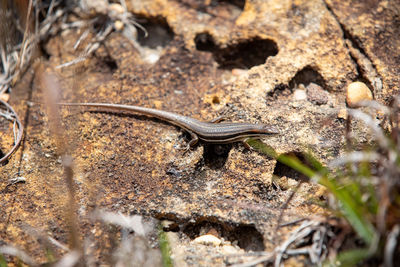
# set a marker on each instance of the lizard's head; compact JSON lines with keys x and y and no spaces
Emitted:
{"x":264,"y":129}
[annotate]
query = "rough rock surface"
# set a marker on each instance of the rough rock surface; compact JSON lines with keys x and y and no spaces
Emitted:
{"x":242,"y":61}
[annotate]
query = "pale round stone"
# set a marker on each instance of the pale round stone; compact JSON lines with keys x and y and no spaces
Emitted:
{"x":208,"y":240}
{"x":228,"y":249}
{"x":299,"y":94}
{"x":119,"y":25}
{"x":357,"y":92}
{"x":5,"y":97}
{"x":342,"y":114}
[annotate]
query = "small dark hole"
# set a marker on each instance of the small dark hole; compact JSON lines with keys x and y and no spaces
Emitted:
{"x":238,"y":3}
{"x":249,"y":238}
{"x":110,"y":62}
{"x":243,"y":55}
{"x":106,"y":63}
{"x":172,"y":227}
{"x":230,"y":4}
{"x":215,"y":100}
{"x":283,"y":170}
{"x":247,"y":54}
{"x":159,"y":34}
{"x":204,"y":42}
{"x":246,"y":236}
{"x":216,"y":155}
{"x":306,"y":76}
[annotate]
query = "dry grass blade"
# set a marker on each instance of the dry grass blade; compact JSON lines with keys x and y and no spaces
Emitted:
{"x":51,"y":88}
{"x":13,"y":251}
{"x":391,"y":244}
{"x":43,"y":237}
{"x":316,"y":251}
{"x":129,"y":222}
{"x":90,"y":48}
{"x":310,"y":238}
{"x":354,"y":157}
{"x":375,"y":105}
{"x":378,"y":133}
{"x":102,"y":25}
{"x":17,"y":135}
{"x":16,"y":54}
{"x":69,"y":260}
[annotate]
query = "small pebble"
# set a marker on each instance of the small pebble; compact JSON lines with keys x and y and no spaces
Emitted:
{"x":357,"y":92}
{"x":299,"y":95}
{"x":118,"y":25}
{"x":316,"y":94}
{"x":5,"y":97}
{"x":228,"y":249}
{"x":342,"y":114}
{"x":208,"y":240}
{"x":158,"y":104}
{"x":239,"y":72}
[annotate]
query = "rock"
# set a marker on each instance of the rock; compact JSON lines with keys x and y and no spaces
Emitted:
{"x":342,"y":114}
{"x":5,"y":97}
{"x":119,"y":25}
{"x":299,"y":95}
{"x":208,"y":240}
{"x":357,"y":92}
{"x":228,"y":249}
{"x":316,"y":94}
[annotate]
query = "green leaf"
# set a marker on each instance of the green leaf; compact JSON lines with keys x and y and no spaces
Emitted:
{"x":349,"y":258}
{"x":3,"y":262}
{"x":352,"y":212}
{"x":351,"y":208}
{"x":165,"y":248}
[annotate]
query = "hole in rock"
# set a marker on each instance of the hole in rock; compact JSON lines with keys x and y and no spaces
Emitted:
{"x":243,"y":55}
{"x":107,"y":62}
{"x":205,"y":42}
{"x":306,"y":76}
{"x":247,"y":237}
{"x":111,"y":63}
{"x":247,"y":54}
{"x":283,"y":170}
{"x":159,"y":34}
{"x":236,"y":3}
{"x":215,"y":100}
{"x":216,"y":155}
{"x":280,"y":91}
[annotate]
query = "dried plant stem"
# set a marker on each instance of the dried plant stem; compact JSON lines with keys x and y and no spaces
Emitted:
{"x":52,"y":87}
{"x":17,"y":135}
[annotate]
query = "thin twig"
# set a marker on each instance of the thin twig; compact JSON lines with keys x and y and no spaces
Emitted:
{"x":13,"y":251}
{"x":19,"y":135}
{"x":285,"y":206}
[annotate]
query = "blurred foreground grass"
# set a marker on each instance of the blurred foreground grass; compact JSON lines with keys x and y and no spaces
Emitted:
{"x":365,"y":186}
